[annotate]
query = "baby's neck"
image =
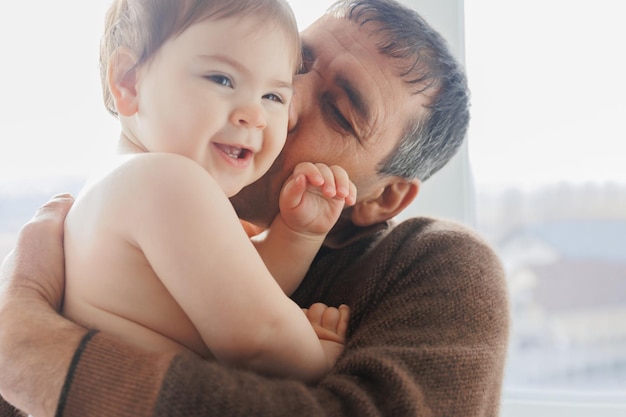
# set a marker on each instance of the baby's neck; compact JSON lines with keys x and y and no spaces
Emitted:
{"x":127,"y":146}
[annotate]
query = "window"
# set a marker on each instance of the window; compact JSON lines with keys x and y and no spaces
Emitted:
{"x":546,"y":151}
{"x":52,"y":123}
{"x":544,"y":181}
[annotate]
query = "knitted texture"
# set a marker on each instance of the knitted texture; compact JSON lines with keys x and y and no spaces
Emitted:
{"x":7,"y":411}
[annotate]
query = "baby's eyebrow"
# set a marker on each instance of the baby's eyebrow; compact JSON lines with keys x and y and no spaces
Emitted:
{"x":283,"y":84}
{"x":228,"y":60}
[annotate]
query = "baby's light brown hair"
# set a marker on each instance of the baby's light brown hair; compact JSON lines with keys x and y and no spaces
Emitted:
{"x":143,"y":26}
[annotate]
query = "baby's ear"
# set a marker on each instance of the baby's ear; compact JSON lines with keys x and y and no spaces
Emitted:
{"x":122,"y":80}
{"x":387,"y":203}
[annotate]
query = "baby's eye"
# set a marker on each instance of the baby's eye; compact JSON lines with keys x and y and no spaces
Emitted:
{"x":274,"y":97}
{"x":221,"y":80}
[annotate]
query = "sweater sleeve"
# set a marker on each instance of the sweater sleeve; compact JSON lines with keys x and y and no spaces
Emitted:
{"x":7,"y":410}
{"x":427,"y":337}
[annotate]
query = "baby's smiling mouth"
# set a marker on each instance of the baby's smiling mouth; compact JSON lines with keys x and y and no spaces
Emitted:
{"x":234,"y":152}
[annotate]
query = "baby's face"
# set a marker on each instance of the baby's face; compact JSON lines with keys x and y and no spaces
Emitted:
{"x":218,"y":93}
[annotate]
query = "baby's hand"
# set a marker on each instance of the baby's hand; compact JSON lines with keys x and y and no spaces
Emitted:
{"x":330,"y":325}
{"x":314,"y":196}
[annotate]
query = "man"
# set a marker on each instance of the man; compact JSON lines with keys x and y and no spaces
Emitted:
{"x":380,"y":95}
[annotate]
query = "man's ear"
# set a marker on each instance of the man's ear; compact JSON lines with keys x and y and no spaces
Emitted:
{"x":122,"y":79}
{"x":393,"y":198}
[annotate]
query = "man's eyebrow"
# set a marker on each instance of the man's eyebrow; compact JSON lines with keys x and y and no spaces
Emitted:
{"x":354,"y":96}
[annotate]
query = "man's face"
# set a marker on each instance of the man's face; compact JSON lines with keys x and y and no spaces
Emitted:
{"x":349,"y":108}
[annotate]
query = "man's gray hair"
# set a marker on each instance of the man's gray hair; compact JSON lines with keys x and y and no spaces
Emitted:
{"x":427,"y":65}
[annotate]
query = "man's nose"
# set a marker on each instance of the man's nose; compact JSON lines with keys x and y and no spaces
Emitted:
{"x":249,"y":115}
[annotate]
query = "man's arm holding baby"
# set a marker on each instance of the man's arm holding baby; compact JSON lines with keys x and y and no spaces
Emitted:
{"x":39,"y":250}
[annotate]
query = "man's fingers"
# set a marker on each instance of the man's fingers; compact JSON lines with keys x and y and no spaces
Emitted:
{"x":54,"y":209}
{"x":47,"y":223}
{"x":35,"y":266}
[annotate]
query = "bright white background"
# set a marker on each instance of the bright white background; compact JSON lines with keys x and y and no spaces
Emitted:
{"x":549,"y":90}
{"x":52,"y":121}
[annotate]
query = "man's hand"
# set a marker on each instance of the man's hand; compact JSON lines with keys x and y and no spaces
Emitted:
{"x":35,"y":268}
{"x":36,"y":344}
{"x":314,"y":196}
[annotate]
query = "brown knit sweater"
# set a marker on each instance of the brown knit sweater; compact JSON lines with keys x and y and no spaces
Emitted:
{"x":427,"y":337}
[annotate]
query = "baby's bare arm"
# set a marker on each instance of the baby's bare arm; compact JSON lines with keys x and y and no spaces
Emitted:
{"x":310,"y":204}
